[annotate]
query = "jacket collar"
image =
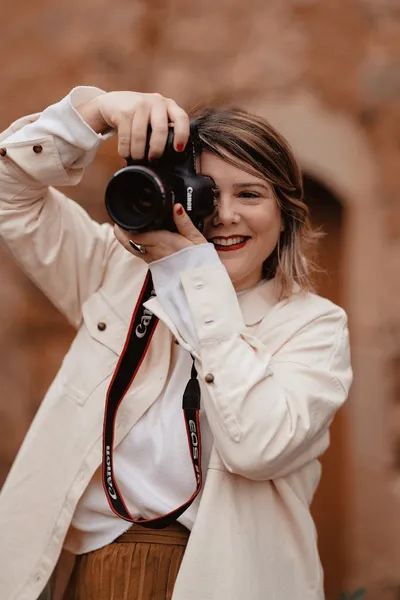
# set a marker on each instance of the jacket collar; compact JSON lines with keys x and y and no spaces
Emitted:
{"x":256,"y":302}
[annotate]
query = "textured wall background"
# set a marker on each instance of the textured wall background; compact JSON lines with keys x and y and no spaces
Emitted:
{"x":345,"y":55}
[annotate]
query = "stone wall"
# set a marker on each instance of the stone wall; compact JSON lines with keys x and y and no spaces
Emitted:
{"x":327,"y":73}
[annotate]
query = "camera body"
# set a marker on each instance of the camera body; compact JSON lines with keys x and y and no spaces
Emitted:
{"x":140,"y":197}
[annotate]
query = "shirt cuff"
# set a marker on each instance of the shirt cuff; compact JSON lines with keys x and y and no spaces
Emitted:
{"x":74,"y":139}
{"x":213,"y":303}
{"x":167,"y":273}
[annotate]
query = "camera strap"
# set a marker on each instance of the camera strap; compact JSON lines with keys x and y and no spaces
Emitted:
{"x":140,"y":333}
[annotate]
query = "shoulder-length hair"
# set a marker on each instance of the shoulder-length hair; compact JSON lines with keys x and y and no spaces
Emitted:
{"x":252,"y":144}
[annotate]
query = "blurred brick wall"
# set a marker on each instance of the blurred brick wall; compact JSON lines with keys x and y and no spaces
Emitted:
{"x":346,"y":53}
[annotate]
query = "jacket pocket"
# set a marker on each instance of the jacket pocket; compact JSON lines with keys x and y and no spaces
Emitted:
{"x":94,"y":352}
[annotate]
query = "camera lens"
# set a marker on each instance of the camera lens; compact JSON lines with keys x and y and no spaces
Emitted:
{"x":143,"y":201}
{"x":135,"y":198}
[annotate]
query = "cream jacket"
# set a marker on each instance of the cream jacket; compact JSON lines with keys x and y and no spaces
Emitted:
{"x":281,"y":370}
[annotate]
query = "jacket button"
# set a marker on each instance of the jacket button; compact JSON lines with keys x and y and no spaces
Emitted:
{"x":3,"y":151}
{"x":101,"y":326}
{"x":209,"y":378}
{"x":37,"y":148}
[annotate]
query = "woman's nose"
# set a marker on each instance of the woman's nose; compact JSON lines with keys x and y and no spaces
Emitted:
{"x":226,"y":213}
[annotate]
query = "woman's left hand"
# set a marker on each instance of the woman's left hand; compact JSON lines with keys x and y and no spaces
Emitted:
{"x":161,"y":243}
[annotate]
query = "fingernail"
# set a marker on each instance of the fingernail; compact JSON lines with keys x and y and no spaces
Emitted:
{"x":179,"y":147}
{"x":179,"y":210}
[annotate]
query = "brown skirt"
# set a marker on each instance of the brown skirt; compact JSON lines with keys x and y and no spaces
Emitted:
{"x":142,"y":564}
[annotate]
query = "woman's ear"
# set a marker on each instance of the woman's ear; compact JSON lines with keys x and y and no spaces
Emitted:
{"x":282,"y":225}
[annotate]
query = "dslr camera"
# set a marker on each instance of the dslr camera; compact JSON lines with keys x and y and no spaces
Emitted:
{"x":140,"y":196}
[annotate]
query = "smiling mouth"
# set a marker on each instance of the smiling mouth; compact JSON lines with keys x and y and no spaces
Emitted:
{"x":229,"y":244}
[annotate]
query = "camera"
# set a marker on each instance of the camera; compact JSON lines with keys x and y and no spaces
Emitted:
{"x":140,"y":196}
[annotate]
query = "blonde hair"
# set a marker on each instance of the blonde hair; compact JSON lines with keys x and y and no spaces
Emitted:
{"x":250,"y":143}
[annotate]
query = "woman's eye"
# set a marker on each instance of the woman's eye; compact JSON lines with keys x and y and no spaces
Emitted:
{"x":249,"y":195}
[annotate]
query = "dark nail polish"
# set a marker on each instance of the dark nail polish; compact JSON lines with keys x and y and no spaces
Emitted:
{"x":179,"y":147}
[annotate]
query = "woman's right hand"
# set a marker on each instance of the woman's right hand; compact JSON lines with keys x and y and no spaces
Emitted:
{"x":130,"y":113}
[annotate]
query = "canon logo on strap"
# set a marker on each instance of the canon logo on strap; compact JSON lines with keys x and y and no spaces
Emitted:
{"x":145,"y":319}
{"x":110,"y":486}
{"x":144,"y":323}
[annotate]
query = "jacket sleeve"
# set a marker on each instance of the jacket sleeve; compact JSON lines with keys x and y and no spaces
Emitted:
{"x":269,"y":414}
{"x":54,"y":240}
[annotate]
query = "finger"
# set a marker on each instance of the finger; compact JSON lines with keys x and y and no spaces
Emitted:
{"x":159,"y":129}
{"x":125,"y":239}
{"x":181,"y":122}
{"x":124,"y":136}
{"x":140,"y":123}
{"x":122,"y":237}
{"x":185,"y":226}
{"x":148,"y":239}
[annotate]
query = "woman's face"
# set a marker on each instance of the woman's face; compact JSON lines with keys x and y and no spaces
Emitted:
{"x":247,"y":223}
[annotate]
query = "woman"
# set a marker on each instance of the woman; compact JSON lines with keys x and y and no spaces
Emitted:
{"x":272,"y":360}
